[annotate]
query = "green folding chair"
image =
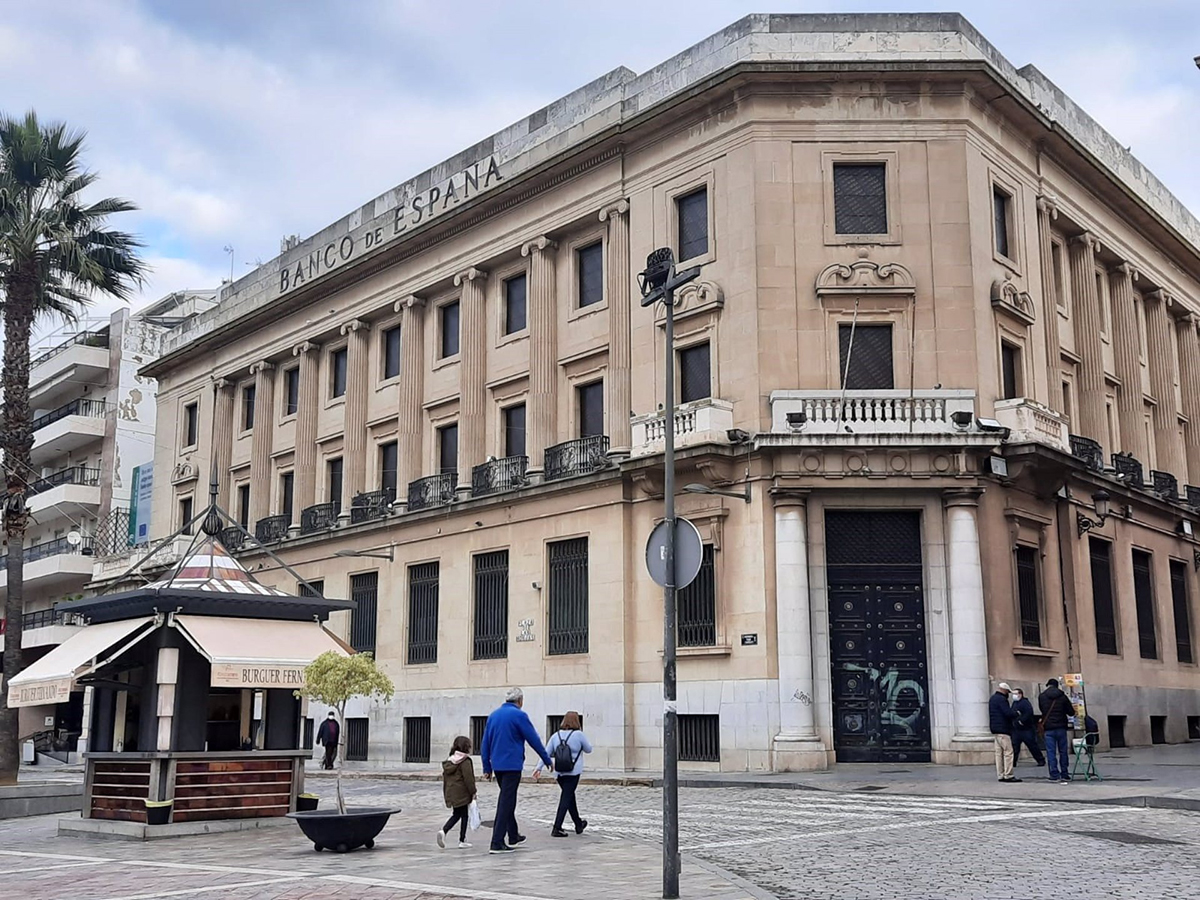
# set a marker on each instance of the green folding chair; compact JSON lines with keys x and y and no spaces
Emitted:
{"x":1085,"y":756}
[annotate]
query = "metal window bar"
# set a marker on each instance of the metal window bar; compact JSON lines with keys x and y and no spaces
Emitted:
{"x":272,"y":529}
{"x":42,"y":618}
{"x":423,"y":613}
{"x":81,"y":475}
{"x":92,"y":409}
{"x":1143,"y":597}
{"x":497,"y":475}
{"x":478,"y":724}
{"x":56,"y":547}
{"x":692,"y":212}
{"x":370,"y":505}
{"x":1181,"y":609}
{"x":1129,"y":468}
{"x":491,"y":606}
{"x":86,"y":338}
{"x":358,"y":735}
{"x":860,"y":199}
{"x":432,"y":490}
{"x":1102,"y":596}
{"x":695,"y":373}
{"x":577,"y":457}
{"x":699,"y":738}
{"x":1165,"y":484}
{"x":1087,"y":451}
{"x":568,"y":584}
{"x":364,"y":591}
{"x":1027,"y":596}
{"x":416,"y":739}
{"x":314,"y":588}
{"x":870,"y":366}
{"x":319,"y":517}
{"x":554,"y":724}
{"x":112,"y":533}
{"x":697,"y":605}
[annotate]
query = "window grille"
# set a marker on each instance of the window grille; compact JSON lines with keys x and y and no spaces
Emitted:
{"x":358,"y":733}
{"x":478,"y":724}
{"x":1102,"y":596}
{"x":692,"y":212}
{"x":695,"y":374}
{"x":448,"y":449}
{"x":554,"y":724}
{"x":335,"y":468}
{"x":860,"y":198}
{"x":491,"y":605}
{"x":697,"y":605}
{"x":590,"y":263}
{"x":364,"y":590}
{"x":1180,"y":605}
{"x":869,"y":357}
{"x":514,"y":430}
{"x":568,"y":593}
{"x":1028,"y":596}
{"x":1143,"y":597}
{"x":389,"y":469}
{"x":591,"y":409}
{"x":423,"y":613}
{"x":699,"y":738}
{"x":416,"y":739}
{"x":314,"y":588}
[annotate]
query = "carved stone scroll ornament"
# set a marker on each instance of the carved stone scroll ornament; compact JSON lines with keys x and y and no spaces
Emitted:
{"x":866,"y":277}
{"x":1007,"y":299}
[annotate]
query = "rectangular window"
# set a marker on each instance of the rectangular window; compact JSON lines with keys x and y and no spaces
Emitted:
{"x":416,"y":739}
{"x":695,"y":373}
{"x":287,"y":490}
{"x":1002,"y":211}
{"x":1102,"y":597}
{"x":865,"y":357}
{"x":860,"y":198}
{"x":313,"y":588}
{"x":568,"y":597}
{"x":243,"y":505}
{"x":699,"y":738}
{"x":423,"y":613}
{"x":1066,"y":394}
{"x":309,"y":735}
{"x":389,"y":469}
{"x":514,"y":430}
{"x":357,"y":737}
{"x":1028,"y":595}
{"x":1010,"y":371}
{"x":692,"y":213}
{"x":247,"y":407}
{"x":448,"y":320}
{"x":364,"y":590}
{"x":337,"y":372}
{"x":448,"y":449}
{"x":554,"y":724}
{"x":1060,"y":285}
{"x":589,"y":261}
{"x":1116,"y":731}
{"x":334,"y":471}
{"x":1182,"y":610}
{"x":291,"y":392}
{"x":1143,"y":598}
{"x":478,"y":724}
{"x":1158,"y":729}
{"x":391,"y":351}
{"x":191,"y":424}
{"x":185,"y":515}
{"x":516,"y":296}
{"x":491,"y":605}
{"x":697,"y":606}
{"x":591,"y":409}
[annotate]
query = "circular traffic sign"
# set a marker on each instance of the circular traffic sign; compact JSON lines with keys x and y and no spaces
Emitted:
{"x":689,"y":550}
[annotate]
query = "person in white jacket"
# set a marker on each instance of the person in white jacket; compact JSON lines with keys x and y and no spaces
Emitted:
{"x":566,"y":749}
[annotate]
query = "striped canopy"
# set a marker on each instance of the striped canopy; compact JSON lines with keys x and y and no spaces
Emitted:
{"x":209,"y":567}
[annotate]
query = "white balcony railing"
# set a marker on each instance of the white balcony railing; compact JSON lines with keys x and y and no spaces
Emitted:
{"x":928,"y":412}
{"x":699,"y":422}
{"x":1031,"y":422}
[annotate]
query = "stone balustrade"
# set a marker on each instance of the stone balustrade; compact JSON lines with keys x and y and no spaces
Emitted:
{"x":1032,"y":422}
{"x":884,"y":412}
{"x":700,"y":422}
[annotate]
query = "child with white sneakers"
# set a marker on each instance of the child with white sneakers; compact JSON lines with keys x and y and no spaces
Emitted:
{"x":458,"y":789}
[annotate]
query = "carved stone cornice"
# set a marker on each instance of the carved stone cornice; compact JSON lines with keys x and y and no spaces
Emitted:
{"x":865,"y":276}
{"x":412,"y":301}
{"x":305,"y":347}
{"x":468,"y":275}
{"x":538,"y":245}
{"x":968,"y":497}
{"x":787,"y":496}
{"x":613,"y":210}
{"x":693,"y":298}
{"x":352,"y":326}
{"x":1007,"y":299}
{"x":262,"y":366}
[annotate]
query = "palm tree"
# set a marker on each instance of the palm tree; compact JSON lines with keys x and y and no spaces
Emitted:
{"x":55,"y":254}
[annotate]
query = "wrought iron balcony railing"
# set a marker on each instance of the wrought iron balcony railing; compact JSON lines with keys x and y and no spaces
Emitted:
{"x":86,"y":338}
{"x":272,"y":529}
{"x":498,"y":475}
{"x":57,"y":547}
{"x":79,"y":407}
{"x":1087,"y":451}
{"x":319,"y":517}
{"x":577,"y":457}
{"x":232,"y":538}
{"x":1129,"y":468}
{"x":1193,"y":495}
{"x":371,"y":505}
{"x":1165,"y":484}
{"x":432,"y":490}
{"x":74,"y":475}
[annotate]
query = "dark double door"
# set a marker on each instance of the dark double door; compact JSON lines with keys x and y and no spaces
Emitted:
{"x":879,"y":673}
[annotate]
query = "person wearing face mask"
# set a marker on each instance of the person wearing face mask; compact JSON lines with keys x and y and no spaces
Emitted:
{"x":1024,"y":728}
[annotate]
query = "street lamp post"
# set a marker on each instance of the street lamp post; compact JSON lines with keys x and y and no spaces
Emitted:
{"x":658,"y":283}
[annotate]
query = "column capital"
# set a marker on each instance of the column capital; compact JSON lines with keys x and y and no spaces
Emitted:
{"x":538,"y":245}
{"x":262,"y":366}
{"x":468,"y":275}
{"x":1129,"y":271}
{"x":305,"y":347}
{"x":353,"y":325}
{"x":1048,"y":204}
{"x":614,"y":210}
{"x":1158,"y":295}
{"x":968,"y":497}
{"x":220,"y":382}
{"x":411,"y":301}
{"x":1087,"y":240}
{"x":785,"y":496}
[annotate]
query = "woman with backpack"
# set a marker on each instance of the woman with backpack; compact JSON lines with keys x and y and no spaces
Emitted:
{"x":566,"y":749}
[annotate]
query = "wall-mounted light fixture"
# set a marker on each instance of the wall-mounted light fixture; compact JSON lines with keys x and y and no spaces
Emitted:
{"x":1083,"y":523}
{"x":705,"y":489}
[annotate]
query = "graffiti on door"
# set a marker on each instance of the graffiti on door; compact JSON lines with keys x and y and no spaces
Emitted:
{"x":902,"y":700}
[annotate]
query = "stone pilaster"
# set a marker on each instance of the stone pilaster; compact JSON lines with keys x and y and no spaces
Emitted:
{"x":260,"y":446}
{"x":222,"y":437}
{"x":1126,"y":353}
{"x":542,"y":406}
{"x":304,"y":486}
{"x":472,"y":373}
{"x":617,"y":388}
{"x":412,"y":392}
{"x":968,"y":631}
{"x":1047,"y":213}
{"x":355,"y":440}
{"x":1189,"y":382}
{"x":1088,"y":344}
{"x":1165,"y":417}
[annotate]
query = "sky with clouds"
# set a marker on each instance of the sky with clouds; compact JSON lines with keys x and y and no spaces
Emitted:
{"x":233,"y":123}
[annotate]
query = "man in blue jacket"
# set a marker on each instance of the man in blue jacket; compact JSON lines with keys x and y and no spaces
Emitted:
{"x":507,"y":732}
{"x":1000,"y":717}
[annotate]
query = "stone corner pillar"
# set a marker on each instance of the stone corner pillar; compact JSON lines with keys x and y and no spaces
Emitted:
{"x":1091,"y":387}
{"x":542,"y":409}
{"x":304,"y":485}
{"x":1130,"y":405}
{"x":1047,"y":210}
{"x":358,"y":350}
{"x":1164,"y":416}
{"x":261,"y":441}
{"x":410,"y":416}
{"x":968,"y":623}
{"x":472,"y":372}
{"x":797,"y":746}
{"x":1189,"y":382}
{"x":222,"y":436}
{"x":618,"y":390}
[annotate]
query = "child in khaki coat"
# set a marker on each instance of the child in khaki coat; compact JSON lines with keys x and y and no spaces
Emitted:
{"x":458,"y":788}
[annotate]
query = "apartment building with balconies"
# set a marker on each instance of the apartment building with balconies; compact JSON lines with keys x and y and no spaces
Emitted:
{"x":912,"y":351}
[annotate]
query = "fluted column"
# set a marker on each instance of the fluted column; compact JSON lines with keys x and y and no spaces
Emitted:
{"x":1165,"y":416}
{"x":968,"y":624}
{"x":1086,"y":309}
{"x":222,"y":437}
{"x":472,"y":373}
{"x":1189,"y":382}
{"x":355,"y":440}
{"x":1130,"y":405}
{"x":1047,"y":213}
{"x":617,"y":388}
{"x":260,"y":446}
{"x":305,"y":483}
{"x":542,"y":405}
{"x":412,"y":392}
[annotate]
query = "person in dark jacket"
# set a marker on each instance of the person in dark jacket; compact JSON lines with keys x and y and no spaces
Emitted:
{"x":1000,"y":719}
{"x":1024,"y":730}
{"x":327,"y":736}
{"x":505,"y":735}
{"x":1056,"y":710}
{"x":458,"y":790}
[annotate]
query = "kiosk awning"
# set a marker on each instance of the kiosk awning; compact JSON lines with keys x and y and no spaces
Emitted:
{"x":52,"y":678}
{"x":258,"y":653}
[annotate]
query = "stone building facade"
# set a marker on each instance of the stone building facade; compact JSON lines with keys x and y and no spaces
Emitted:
{"x":935,"y":299}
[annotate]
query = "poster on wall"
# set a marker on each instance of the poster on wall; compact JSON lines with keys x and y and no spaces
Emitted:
{"x":139,"y":504}
{"x":1073,"y":687}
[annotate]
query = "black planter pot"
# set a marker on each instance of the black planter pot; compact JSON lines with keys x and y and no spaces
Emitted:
{"x":341,"y":833}
{"x":158,"y":814}
{"x":306,"y":804}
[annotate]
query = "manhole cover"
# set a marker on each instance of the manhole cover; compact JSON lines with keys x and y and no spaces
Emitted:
{"x":1126,"y":837}
{"x":871,"y":787}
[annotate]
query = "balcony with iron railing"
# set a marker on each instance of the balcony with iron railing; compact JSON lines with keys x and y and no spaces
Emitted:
{"x":432,"y":491}
{"x":705,"y":421}
{"x":82,"y":339}
{"x":232,"y":538}
{"x":371,"y":505}
{"x":319,"y":517}
{"x":1088,"y":452}
{"x":581,"y":456}
{"x":81,"y":406}
{"x":1129,"y":469}
{"x":59,"y":371}
{"x":81,"y":475}
{"x":49,"y":562}
{"x":1165,"y":484}
{"x":272,"y":529}
{"x":499,"y":475}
